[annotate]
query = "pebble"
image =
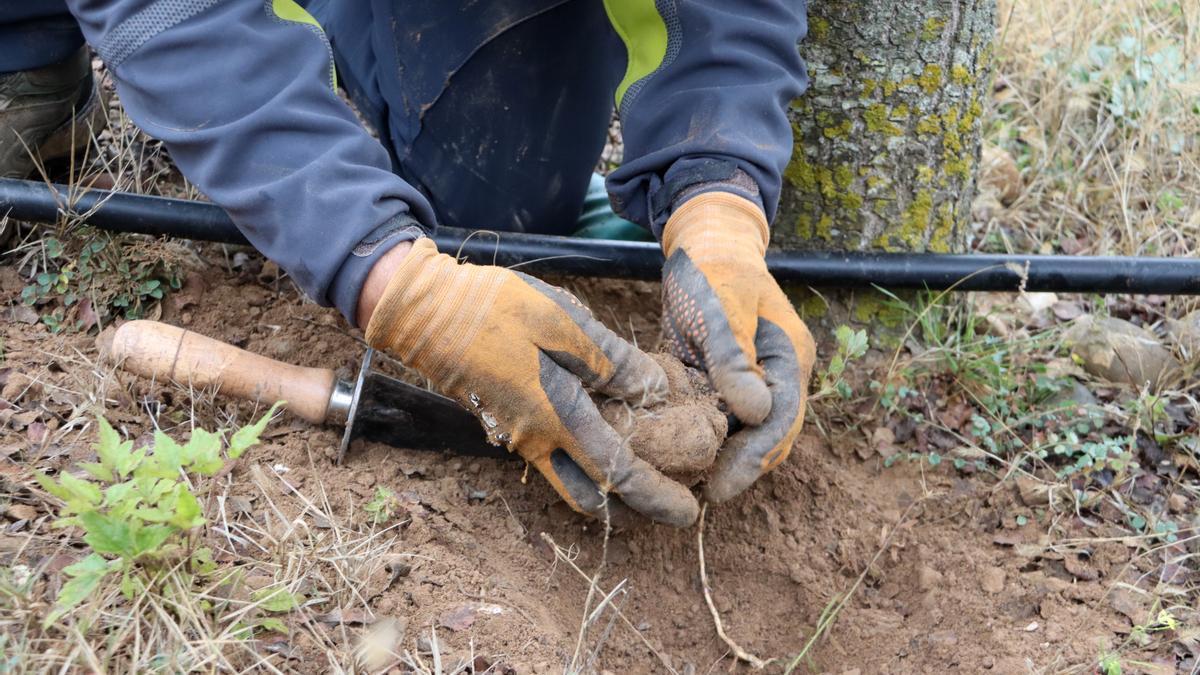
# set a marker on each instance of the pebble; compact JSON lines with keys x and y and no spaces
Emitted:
{"x":1177,"y":503}
{"x":1119,"y":351}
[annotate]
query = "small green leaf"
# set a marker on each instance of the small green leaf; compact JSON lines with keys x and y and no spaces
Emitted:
{"x":203,"y":452}
{"x":106,"y":535}
{"x":128,"y":463}
{"x":129,"y":586}
{"x":97,"y":471}
{"x":85,"y":575}
{"x":93,"y":564}
{"x":120,"y":494}
{"x":80,"y":490}
{"x":247,"y":436}
{"x":187,"y":510}
{"x":168,"y":454}
{"x":277,"y":599}
{"x":202,"y":561}
{"x":113,"y":453}
{"x":149,"y":539}
{"x":273,"y":625}
{"x":153,"y":514}
{"x":54,"y":247}
{"x":50,"y":485}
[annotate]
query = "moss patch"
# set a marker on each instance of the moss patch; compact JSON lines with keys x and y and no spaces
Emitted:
{"x":931,"y":78}
{"x":878,"y":121}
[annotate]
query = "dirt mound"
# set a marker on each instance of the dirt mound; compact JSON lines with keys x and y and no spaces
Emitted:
{"x":681,"y":435}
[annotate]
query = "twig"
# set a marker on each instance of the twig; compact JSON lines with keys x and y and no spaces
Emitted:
{"x":734,"y":647}
{"x":560,"y":555}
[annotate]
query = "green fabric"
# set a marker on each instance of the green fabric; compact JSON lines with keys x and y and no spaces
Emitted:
{"x":288,"y":10}
{"x":597,"y":221}
{"x":644,"y":33}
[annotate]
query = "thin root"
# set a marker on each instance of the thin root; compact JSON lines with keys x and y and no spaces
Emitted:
{"x":734,"y":647}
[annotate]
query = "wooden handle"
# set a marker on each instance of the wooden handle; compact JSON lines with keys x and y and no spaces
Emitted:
{"x":169,"y":353}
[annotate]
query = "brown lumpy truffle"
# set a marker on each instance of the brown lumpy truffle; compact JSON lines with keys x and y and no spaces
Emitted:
{"x":680,"y":436}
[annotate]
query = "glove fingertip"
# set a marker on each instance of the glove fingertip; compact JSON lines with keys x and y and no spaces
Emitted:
{"x":729,"y":482}
{"x":746,"y":394}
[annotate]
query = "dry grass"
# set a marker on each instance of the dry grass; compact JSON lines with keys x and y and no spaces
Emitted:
{"x":1097,"y":102}
{"x":295,"y":542}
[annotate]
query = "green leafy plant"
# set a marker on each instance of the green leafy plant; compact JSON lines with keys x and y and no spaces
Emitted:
{"x":82,"y":280}
{"x":137,"y":510}
{"x":382,"y":506}
{"x":851,"y":346}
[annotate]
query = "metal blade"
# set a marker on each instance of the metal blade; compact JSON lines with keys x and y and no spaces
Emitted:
{"x":389,"y":411}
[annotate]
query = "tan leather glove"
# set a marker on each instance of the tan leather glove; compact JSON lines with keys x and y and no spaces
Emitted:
{"x":518,"y":352}
{"x":724,"y":313}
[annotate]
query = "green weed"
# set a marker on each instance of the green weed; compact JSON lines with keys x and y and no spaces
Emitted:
{"x":79,"y":282}
{"x":137,"y":510}
{"x":1013,"y":407}
{"x":851,"y":346}
{"x":382,"y":506}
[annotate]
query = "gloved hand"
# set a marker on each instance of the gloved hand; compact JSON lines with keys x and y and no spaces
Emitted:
{"x":724,"y":313}
{"x":518,"y":352}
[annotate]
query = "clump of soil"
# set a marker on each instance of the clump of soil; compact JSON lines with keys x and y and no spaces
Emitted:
{"x":679,"y":436}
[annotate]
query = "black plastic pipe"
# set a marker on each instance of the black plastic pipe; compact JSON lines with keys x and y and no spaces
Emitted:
{"x":124,"y":212}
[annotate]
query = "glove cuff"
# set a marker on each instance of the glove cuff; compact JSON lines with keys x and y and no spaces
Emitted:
{"x":432,"y":309}
{"x":712,"y":222}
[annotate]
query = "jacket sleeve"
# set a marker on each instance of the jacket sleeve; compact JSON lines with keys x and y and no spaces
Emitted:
{"x":704,"y":101}
{"x":242,"y":93}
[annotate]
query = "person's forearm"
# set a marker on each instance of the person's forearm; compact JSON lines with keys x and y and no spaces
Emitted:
{"x":707,"y":109}
{"x":241,"y":92}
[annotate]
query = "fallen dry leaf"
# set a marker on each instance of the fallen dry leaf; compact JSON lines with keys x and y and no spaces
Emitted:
{"x":1128,"y":603}
{"x":884,"y":441}
{"x":462,"y":617}
{"x":21,"y":512}
{"x":37,"y":432}
{"x":355,"y":616}
{"x":459,"y":619}
{"x":23,"y":314}
{"x":87,"y":314}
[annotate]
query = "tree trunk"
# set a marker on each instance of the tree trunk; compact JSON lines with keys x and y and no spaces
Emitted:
{"x":887,"y":137}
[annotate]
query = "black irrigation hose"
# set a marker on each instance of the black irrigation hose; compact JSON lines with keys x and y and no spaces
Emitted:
{"x":124,"y":212}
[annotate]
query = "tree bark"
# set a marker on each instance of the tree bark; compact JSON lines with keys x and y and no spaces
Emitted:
{"x":887,"y":138}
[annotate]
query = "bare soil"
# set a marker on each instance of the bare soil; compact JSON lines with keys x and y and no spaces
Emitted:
{"x":950,"y":581}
